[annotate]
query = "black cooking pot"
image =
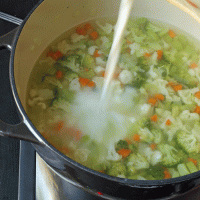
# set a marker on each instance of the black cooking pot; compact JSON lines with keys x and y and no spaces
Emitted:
{"x":38,"y":30}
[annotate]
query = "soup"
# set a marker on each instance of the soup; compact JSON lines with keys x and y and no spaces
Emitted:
{"x":150,"y":126}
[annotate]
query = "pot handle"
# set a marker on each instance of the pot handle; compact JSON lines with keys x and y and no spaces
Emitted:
{"x":21,"y":130}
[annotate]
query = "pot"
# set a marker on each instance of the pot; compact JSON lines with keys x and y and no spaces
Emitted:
{"x":46,"y":22}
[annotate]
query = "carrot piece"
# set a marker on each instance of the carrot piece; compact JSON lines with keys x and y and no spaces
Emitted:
{"x":197,"y":109}
{"x":171,"y":84}
{"x":58,"y":126}
{"x":94,"y":35}
{"x":160,"y":97}
{"x":193,"y":160}
{"x":167,"y":174}
{"x":159,"y":54}
{"x":96,"y":53}
{"x":101,"y":171}
{"x":193,"y":65}
{"x":128,"y":42}
{"x":197,"y":95}
{"x":154,"y":118}
{"x":172,"y":34}
{"x":147,"y":55}
{"x":153,"y":146}
{"x":152,"y":101}
{"x":59,"y":74}
{"x":115,"y":75}
{"x":55,"y":55}
{"x":87,"y":27}
{"x":177,"y":87}
{"x":168,"y":123}
{"x":84,"y":81}
{"x":124,"y":152}
{"x":103,"y":73}
{"x":192,"y":4}
{"x":58,"y":55}
{"x":91,"y":84}
{"x":50,"y":54}
{"x":78,"y":135}
{"x":136,"y":137}
{"x":81,"y":31}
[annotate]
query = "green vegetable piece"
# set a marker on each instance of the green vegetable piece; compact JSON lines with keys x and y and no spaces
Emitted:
{"x":192,"y":168}
{"x":67,"y":95}
{"x":138,"y":161}
{"x":167,"y":38}
{"x":182,"y":169}
{"x":51,"y":71}
{"x":98,"y":42}
{"x":122,"y":144}
{"x":153,"y":35}
{"x":142,"y":23}
{"x":177,"y":45}
{"x":131,"y":170}
{"x":139,"y":80}
{"x":184,"y":41}
{"x":88,"y":62}
{"x":171,"y":156}
{"x":182,"y":76}
{"x":71,"y":62}
{"x":175,"y":110}
{"x":70,"y":75}
{"x":117,"y":169}
{"x":87,"y":74}
{"x":84,"y":139}
{"x":174,"y":173}
{"x":133,"y":147}
{"x":156,"y":172}
{"x":61,"y":104}
{"x":158,"y":135}
{"x":187,"y":141}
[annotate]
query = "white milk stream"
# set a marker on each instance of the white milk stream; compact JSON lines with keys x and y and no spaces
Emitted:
{"x":93,"y":110}
{"x":123,"y":16}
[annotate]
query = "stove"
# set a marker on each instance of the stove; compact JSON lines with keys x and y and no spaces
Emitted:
{"x":23,"y":174}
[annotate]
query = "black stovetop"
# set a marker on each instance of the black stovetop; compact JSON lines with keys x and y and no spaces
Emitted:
{"x":10,"y":148}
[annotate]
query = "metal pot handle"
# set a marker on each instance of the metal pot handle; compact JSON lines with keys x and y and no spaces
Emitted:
{"x":20,"y":130}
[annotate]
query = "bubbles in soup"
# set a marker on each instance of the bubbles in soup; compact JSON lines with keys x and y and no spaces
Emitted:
{"x":149,"y":128}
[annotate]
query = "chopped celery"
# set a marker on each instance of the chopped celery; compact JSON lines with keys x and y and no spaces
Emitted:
{"x":192,"y":168}
{"x":174,"y":173}
{"x":182,"y":169}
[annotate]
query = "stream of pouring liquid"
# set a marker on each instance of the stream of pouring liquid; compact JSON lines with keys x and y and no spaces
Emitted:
{"x":123,"y":16}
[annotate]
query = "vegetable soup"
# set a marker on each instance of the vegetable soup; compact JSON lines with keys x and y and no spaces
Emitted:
{"x":150,"y":127}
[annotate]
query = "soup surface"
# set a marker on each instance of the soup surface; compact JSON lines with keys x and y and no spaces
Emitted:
{"x":150,"y":125}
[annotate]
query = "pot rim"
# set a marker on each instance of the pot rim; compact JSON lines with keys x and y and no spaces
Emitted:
{"x":27,"y":121}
